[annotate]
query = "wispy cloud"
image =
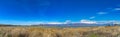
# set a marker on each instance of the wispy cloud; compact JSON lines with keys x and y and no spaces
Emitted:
{"x":101,"y":13}
{"x":117,"y":9}
{"x":20,"y":22}
{"x":67,"y":21}
{"x":92,"y":17}
{"x":98,"y":13}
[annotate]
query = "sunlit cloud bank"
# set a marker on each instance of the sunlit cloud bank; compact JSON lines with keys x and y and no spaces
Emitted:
{"x":66,"y":22}
{"x":87,"y":22}
{"x":100,"y":22}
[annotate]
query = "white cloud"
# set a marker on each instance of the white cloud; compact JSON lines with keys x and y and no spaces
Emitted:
{"x":88,"y":21}
{"x":117,"y":9}
{"x":68,"y":21}
{"x":101,"y":13}
{"x":99,"y":22}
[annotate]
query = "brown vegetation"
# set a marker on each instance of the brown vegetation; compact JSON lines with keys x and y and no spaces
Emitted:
{"x":59,"y":32}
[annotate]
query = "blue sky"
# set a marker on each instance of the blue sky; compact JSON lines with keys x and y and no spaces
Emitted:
{"x":58,"y":10}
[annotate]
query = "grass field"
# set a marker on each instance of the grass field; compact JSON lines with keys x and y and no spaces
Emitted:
{"x":60,"y":32}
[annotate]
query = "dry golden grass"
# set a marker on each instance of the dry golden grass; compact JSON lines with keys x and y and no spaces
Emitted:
{"x":59,"y":32}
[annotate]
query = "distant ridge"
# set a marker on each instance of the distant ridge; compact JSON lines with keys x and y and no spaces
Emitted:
{"x":68,"y":25}
{"x":76,"y":24}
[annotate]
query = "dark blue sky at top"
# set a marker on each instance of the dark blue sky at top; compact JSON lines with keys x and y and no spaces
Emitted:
{"x":58,"y":10}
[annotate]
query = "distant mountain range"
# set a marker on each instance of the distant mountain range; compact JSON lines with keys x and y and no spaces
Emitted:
{"x":70,"y":24}
{"x":77,"y":24}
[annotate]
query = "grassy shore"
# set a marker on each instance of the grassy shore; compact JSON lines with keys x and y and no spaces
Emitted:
{"x":60,"y":32}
